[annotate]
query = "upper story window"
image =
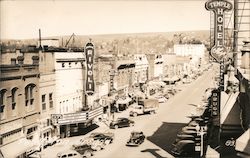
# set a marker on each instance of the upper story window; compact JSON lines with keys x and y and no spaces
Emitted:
{"x":29,"y":92}
{"x":44,"y":102}
{"x":13,"y":98}
{"x":13,"y":61}
{"x":51,"y":100}
{"x":2,"y":103}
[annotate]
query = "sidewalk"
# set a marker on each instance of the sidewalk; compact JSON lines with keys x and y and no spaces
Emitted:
{"x":65,"y":144}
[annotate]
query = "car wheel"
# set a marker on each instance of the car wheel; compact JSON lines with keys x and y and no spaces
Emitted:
{"x":135,"y":114}
{"x":116,"y":126}
{"x":98,"y":148}
{"x":108,"y":141}
{"x":132,"y":124}
{"x":87,"y":154}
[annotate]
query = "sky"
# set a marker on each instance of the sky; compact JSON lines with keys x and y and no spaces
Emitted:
{"x":21,"y":19}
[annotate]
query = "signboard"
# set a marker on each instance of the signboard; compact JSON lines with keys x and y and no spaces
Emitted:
{"x":80,"y":117}
{"x":215,"y":105}
{"x":218,"y":51}
{"x":90,"y":85}
{"x":221,"y":83}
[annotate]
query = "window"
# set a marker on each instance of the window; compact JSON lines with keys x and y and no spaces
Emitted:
{"x":29,"y":94}
{"x":44,"y":102}
{"x":2,"y":102}
{"x":13,"y":61}
{"x":13,"y":98}
{"x":51,"y":100}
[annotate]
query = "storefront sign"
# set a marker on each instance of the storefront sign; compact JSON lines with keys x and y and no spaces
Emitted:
{"x":218,"y":51}
{"x":221,"y":83}
{"x":215,"y":105}
{"x":90,"y":85}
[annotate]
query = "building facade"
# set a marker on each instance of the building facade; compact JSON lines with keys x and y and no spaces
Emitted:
{"x":19,"y":102}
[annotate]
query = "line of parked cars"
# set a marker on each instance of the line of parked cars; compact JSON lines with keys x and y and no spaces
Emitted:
{"x":87,"y":146}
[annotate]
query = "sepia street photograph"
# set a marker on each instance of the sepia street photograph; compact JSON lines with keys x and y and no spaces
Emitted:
{"x":124,"y":78}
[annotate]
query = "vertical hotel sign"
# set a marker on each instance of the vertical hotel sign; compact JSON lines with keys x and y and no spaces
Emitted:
{"x":218,"y":51}
{"x":90,"y":85}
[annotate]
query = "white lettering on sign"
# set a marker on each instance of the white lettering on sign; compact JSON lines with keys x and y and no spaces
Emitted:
{"x":218,"y":51}
{"x":90,"y":87}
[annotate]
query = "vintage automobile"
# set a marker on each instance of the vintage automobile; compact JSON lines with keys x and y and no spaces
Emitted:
{"x":121,"y":122}
{"x":85,"y":150}
{"x":136,"y":138}
{"x":107,"y":138}
{"x":96,"y":145}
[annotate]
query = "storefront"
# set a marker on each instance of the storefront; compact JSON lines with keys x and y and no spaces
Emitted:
{"x":75,"y":123}
{"x":17,"y":149}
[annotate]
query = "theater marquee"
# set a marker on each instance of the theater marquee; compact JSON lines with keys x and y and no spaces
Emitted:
{"x":218,"y":51}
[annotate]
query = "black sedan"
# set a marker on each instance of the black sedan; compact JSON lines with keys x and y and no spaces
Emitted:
{"x":136,"y":139}
{"x":121,"y":122}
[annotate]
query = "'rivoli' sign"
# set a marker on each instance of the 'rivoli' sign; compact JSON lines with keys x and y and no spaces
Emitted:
{"x":218,"y":51}
{"x":90,"y":85}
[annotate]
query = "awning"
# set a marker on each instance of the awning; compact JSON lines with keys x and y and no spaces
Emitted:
{"x":124,"y":66}
{"x":123,"y":101}
{"x":17,"y":148}
{"x":174,"y":78}
{"x":225,"y":109}
{"x":243,"y":142}
{"x":157,"y":83}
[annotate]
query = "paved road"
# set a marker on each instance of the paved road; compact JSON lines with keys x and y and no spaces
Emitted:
{"x":161,"y":128}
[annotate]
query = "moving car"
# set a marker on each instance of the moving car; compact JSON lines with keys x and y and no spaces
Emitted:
{"x":144,"y":106}
{"x":136,"y":139}
{"x":121,"y":122}
{"x":96,"y":145}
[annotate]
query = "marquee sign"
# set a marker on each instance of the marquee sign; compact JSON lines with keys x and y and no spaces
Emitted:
{"x":90,"y":85}
{"x":218,"y":51}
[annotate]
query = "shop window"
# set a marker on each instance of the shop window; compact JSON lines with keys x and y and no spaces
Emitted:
{"x":43,"y":102}
{"x":51,"y":100}
{"x":13,"y":61}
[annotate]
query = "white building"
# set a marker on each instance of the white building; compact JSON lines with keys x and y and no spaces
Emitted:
{"x":69,"y":75}
{"x":141,"y":68}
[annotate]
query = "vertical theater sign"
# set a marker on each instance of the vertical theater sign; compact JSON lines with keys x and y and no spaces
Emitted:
{"x":90,"y":85}
{"x":218,"y":51}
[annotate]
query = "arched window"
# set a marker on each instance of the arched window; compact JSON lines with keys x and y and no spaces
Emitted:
{"x":29,"y":92}
{"x":13,"y":98}
{"x":2,"y":102}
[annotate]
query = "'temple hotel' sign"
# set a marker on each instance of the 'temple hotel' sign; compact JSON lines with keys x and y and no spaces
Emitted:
{"x":218,"y":51}
{"x":90,"y":85}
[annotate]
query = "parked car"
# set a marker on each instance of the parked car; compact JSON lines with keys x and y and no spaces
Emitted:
{"x":69,"y":154}
{"x":121,"y":122}
{"x":161,"y":99}
{"x":107,"y":138}
{"x":96,"y":145}
{"x":85,"y":150}
{"x":184,"y":148}
{"x":136,"y":138}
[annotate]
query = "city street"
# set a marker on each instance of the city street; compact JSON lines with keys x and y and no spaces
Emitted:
{"x":160,"y":129}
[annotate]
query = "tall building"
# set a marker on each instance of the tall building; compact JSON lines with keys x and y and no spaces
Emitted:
{"x":19,"y":101}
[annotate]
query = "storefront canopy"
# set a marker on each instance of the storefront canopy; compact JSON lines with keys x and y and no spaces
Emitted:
{"x":123,"y":101}
{"x":230,"y":103}
{"x":174,"y":78}
{"x":242,"y":143}
{"x":157,"y":83}
{"x":17,"y":148}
